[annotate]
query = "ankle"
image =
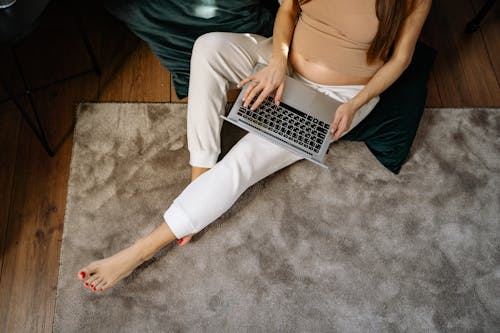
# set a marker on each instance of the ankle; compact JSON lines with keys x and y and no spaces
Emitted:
{"x":143,"y":250}
{"x":197,"y":171}
{"x":147,"y":246}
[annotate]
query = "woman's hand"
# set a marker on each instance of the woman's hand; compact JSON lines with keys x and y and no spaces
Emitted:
{"x":342,"y":120}
{"x":264,"y":82}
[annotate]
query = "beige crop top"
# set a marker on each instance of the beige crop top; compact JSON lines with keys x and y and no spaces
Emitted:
{"x":337,"y":34}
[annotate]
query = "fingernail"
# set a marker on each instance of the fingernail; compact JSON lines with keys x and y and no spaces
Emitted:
{"x":101,"y":289}
{"x":86,"y":284}
{"x":179,"y":241}
{"x":82,"y":274}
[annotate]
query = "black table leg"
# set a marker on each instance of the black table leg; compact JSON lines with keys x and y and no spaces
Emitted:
{"x":473,"y":24}
{"x":88,"y":47}
{"x":36,"y":127}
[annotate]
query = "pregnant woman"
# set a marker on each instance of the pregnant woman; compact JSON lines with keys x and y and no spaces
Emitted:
{"x":348,"y":50}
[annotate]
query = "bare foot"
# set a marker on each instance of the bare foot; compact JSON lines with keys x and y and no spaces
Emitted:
{"x":184,"y":240}
{"x":103,"y":274}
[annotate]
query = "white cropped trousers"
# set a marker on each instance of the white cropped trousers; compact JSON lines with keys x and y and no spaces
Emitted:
{"x":219,"y":61}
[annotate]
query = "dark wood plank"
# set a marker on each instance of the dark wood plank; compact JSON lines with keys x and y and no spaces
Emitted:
{"x":141,"y":79}
{"x":30,"y":265}
{"x":31,"y":259}
{"x":122,"y":57}
{"x":433,"y":97}
{"x":490,"y":29}
{"x":9,"y":135}
{"x":9,"y":73}
{"x":462,"y":69}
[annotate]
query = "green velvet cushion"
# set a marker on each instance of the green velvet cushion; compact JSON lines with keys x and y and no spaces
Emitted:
{"x":170,"y":27}
{"x":388,"y":131}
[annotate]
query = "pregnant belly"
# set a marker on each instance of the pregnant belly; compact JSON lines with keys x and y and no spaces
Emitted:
{"x":321,"y":74}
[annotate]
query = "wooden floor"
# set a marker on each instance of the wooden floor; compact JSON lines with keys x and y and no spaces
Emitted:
{"x":33,"y":186}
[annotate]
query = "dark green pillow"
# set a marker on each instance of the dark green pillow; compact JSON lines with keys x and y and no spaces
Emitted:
{"x":170,"y":27}
{"x":388,"y":131}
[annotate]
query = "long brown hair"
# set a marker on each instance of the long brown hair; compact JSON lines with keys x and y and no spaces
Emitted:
{"x":390,"y":14}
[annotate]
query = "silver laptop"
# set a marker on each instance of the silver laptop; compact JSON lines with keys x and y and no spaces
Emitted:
{"x":300,"y":124}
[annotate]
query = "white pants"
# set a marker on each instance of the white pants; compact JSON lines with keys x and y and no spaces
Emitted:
{"x":219,"y":61}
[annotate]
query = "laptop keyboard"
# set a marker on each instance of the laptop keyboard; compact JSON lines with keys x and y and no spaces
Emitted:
{"x":295,"y":126}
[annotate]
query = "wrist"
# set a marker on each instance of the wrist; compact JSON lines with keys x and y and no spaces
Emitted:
{"x":279,"y":60}
{"x":353,"y":106}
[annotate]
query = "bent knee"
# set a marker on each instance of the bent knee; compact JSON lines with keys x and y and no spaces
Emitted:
{"x":210,"y":44}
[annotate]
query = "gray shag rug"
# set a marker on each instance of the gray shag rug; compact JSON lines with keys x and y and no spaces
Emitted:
{"x":350,"y":249}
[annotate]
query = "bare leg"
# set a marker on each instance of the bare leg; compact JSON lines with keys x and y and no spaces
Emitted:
{"x":195,"y":173}
{"x":103,"y":274}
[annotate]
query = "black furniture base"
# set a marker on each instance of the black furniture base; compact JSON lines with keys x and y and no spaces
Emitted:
{"x":473,"y":25}
{"x":16,"y":22}
{"x":37,"y":127}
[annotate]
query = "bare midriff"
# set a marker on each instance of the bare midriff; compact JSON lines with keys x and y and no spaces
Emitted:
{"x":321,"y":74}
{"x":331,"y":41}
